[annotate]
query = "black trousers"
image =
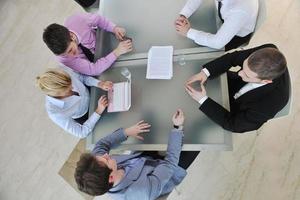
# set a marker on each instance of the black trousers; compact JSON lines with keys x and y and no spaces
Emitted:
{"x":238,"y":41}
{"x":185,"y":160}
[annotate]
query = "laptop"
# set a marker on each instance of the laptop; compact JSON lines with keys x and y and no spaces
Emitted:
{"x":119,"y":98}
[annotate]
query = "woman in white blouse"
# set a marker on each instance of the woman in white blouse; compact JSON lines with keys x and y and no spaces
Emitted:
{"x":238,"y":17}
{"x":68,"y":99}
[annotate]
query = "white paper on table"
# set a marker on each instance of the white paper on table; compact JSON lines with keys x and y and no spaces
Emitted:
{"x":160,"y":62}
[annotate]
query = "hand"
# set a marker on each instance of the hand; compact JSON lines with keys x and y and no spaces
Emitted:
{"x":119,"y":32}
{"x":197,"y":77}
{"x":181,"y":19}
{"x":105,"y":85}
{"x":182,"y":27}
{"x":195,"y":94}
{"x":140,"y":127}
{"x":123,"y":47}
{"x":178,"y":118}
{"x":102,"y":104}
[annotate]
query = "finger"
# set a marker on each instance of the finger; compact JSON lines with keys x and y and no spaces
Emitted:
{"x":174,"y":116}
{"x":140,"y":122}
{"x":180,"y":111}
{"x":178,"y":26}
{"x":139,"y":137}
{"x":188,"y":88}
{"x":189,"y":92}
{"x":191,"y":80}
{"x":202,"y":88}
{"x":145,"y":130}
{"x":102,"y":97}
{"x":145,"y":126}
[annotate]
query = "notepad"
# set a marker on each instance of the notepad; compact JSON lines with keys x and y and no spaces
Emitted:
{"x":119,"y":98}
{"x":160,"y":62}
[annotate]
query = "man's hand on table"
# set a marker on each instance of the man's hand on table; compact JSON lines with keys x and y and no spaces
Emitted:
{"x":201,"y":76}
{"x":196,"y":94}
{"x":123,"y":47}
{"x":135,"y":130}
{"x":178,"y":118}
{"x":182,"y":25}
{"x":119,"y":32}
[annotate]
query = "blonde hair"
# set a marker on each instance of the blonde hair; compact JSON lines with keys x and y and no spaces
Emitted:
{"x":54,"y":81}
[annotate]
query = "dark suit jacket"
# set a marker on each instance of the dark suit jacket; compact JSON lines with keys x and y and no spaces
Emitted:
{"x":251,"y":110}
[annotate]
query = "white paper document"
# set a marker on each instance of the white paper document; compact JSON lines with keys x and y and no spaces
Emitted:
{"x":160,"y":62}
{"x":119,"y":98}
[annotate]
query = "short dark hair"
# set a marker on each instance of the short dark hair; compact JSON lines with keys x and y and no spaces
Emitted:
{"x":57,"y":38}
{"x":268,"y":63}
{"x":92,"y":177}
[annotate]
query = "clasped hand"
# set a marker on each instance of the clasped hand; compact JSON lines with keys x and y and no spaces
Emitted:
{"x":196,"y":94}
{"x":182,"y":25}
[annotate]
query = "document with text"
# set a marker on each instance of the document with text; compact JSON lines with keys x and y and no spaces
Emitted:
{"x":160,"y":62}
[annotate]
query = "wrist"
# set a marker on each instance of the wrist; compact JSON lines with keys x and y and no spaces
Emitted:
{"x":98,"y":111}
{"x":114,"y":29}
{"x":116,"y":52}
{"x":179,"y":127}
{"x":203,"y":99}
{"x":205,"y":72}
{"x":126,"y":132}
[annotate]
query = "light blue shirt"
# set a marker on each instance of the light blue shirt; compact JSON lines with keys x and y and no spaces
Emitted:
{"x":64,"y":111}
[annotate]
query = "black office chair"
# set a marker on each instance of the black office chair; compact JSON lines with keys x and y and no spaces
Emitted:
{"x":89,"y":5}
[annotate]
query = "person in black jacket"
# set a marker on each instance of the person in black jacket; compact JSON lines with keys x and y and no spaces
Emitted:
{"x":257,"y":91}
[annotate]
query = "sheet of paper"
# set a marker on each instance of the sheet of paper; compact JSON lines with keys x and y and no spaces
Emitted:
{"x":160,"y":62}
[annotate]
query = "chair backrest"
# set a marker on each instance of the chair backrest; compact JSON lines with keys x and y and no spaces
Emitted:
{"x":286,"y":110}
{"x":94,"y":8}
{"x":165,"y":197}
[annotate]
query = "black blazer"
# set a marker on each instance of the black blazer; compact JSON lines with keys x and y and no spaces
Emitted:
{"x":251,"y":110}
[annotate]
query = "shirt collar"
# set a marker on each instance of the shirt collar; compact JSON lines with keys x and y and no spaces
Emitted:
{"x":77,"y":35}
{"x":58,"y":102}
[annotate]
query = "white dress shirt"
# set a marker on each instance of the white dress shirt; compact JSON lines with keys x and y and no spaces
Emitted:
{"x":246,"y":88}
{"x":64,"y":111}
{"x":239,"y":19}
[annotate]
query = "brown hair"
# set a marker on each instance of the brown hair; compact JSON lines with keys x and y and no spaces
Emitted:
{"x":268,"y":63}
{"x":92,"y":177}
{"x":54,"y":81}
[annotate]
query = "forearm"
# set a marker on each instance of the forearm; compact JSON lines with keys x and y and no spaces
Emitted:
{"x":89,"y":80}
{"x":105,"y":144}
{"x":74,"y":128}
{"x":174,"y":147}
{"x":101,"y":22}
{"x":93,"y":69}
{"x":238,"y":122}
{"x":190,"y":7}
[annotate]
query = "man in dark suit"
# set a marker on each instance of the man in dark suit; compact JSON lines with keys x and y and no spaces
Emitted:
{"x":257,"y":91}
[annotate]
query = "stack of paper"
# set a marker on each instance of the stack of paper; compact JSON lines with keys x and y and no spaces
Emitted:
{"x":160,"y":62}
{"x":119,"y":98}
